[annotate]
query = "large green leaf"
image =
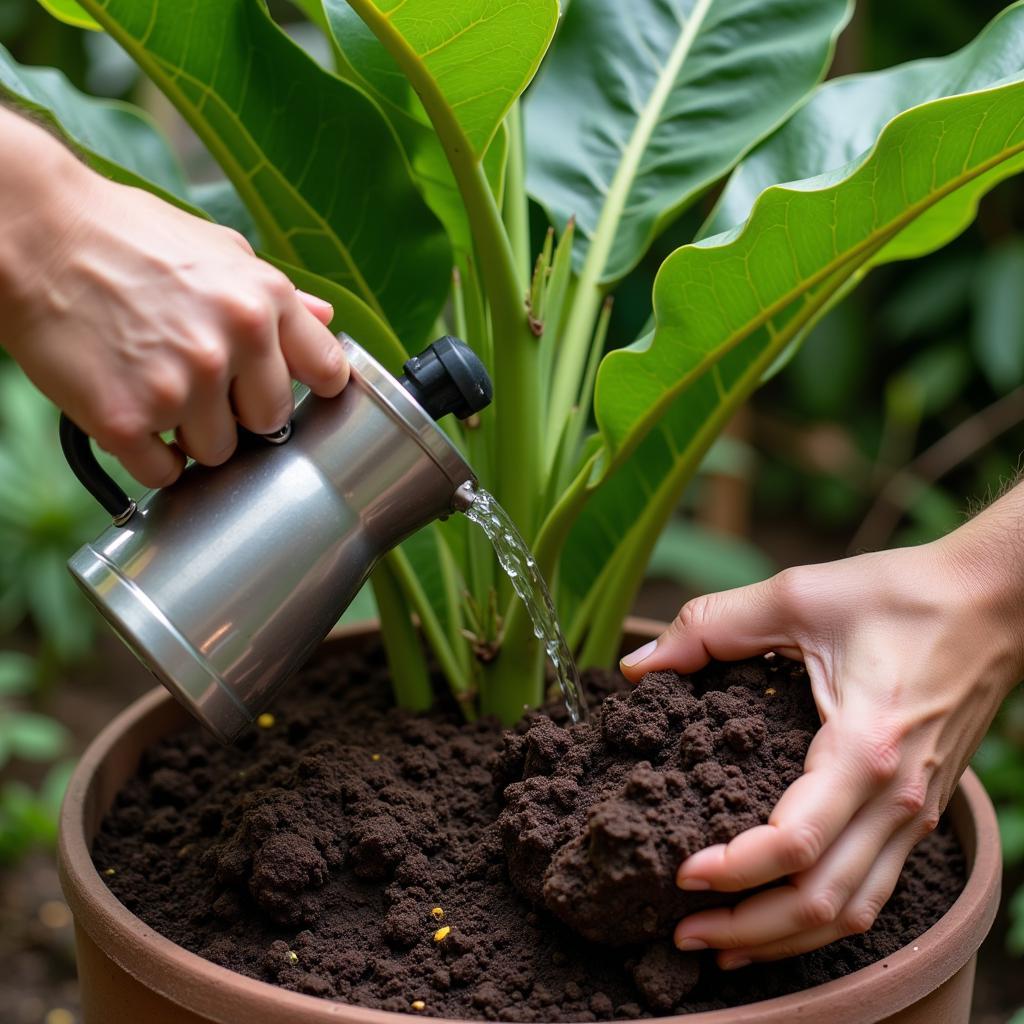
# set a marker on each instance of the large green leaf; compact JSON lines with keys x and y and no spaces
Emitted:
{"x":643,"y":105}
{"x":363,"y":59}
{"x":916,"y":189}
{"x":480,"y":54}
{"x":843,"y":118}
{"x":728,"y":306}
{"x":114,"y":138}
{"x":70,"y":12}
{"x":314,"y":160}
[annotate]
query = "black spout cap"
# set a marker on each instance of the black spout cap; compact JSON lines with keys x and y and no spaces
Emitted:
{"x":448,"y":377}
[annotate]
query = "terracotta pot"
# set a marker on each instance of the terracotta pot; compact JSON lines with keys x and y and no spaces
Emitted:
{"x":129,"y":974}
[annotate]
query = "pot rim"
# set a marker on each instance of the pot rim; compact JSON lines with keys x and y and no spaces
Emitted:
{"x":224,"y":995}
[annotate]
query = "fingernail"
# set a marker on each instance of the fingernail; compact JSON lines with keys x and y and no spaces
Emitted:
{"x":735,"y":965}
{"x":640,"y":654}
{"x":694,"y":884}
{"x":690,"y":945}
{"x":315,"y":299}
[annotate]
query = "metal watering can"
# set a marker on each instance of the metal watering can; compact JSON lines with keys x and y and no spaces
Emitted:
{"x":225,"y":583}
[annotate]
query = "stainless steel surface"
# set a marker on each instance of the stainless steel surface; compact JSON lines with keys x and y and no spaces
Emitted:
{"x":464,"y":496}
{"x":224,"y":583}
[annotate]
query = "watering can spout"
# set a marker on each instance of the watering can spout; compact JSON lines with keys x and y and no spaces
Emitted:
{"x":448,"y":378}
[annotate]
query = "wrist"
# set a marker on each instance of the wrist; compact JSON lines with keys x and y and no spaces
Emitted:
{"x":43,"y":196}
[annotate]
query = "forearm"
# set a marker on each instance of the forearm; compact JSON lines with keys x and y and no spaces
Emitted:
{"x":987,"y":553}
{"x":40,"y":185}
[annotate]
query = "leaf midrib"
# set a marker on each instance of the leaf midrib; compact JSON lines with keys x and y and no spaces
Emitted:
{"x":625,"y":175}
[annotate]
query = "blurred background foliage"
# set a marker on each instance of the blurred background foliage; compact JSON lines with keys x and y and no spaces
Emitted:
{"x":903,"y":411}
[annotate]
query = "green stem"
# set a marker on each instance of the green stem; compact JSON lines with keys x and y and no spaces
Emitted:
{"x":620,"y":588}
{"x":520,"y":651}
{"x":566,"y":456}
{"x":451,"y":582}
{"x":514,"y":682}
{"x":516,"y":406}
{"x":409,"y":679}
{"x":482,"y":564}
{"x":517,"y":211}
{"x":433,"y":631}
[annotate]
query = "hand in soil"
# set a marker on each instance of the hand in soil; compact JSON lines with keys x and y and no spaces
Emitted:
{"x":909,"y":654}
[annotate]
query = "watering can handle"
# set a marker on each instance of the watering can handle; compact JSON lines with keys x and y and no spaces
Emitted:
{"x":77,"y":448}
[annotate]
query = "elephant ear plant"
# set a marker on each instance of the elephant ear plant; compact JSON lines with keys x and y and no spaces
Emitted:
{"x":396,"y":184}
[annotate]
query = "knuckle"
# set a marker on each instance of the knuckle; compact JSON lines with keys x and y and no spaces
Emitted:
{"x":277,"y":285}
{"x":785,"y":949}
{"x":859,"y":919}
{"x":240,"y":240}
{"x":788,"y":587}
{"x":120,"y":429}
{"x":220,"y":455}
{"x":802,"y":846}
{"x":818,"y":909}
{"x":250,"y":315}
{"x":928,"y":822}
{"x":909,"y":798}
{"x":881,"y":756}
{"x":694,"y":615}
{"x":209,"y":360}
{"x":160,"y":477}
{"x":167,"y":390}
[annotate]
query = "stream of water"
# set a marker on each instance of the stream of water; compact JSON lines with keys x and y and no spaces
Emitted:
{"x":521,"y":568}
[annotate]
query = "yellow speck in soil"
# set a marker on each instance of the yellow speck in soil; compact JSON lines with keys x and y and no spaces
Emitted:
{"x":438,"y":914}
{"x":110,"y":871}
{"x":266,"y":720}
{"x":375,"y":757}
{"x":442,"y":933}
{"x":417,"y":1005}
{"x":291,"y":956}
{"x":54,"y":914}
{"x":60,"y":1016}
{"x":770,"y":692}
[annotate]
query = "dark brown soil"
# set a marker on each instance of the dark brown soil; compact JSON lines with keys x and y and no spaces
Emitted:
{"x":604,"y":814}
{"x":322,"y":853}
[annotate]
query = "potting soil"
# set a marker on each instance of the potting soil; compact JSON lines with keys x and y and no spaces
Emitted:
{"x":352,"y":851}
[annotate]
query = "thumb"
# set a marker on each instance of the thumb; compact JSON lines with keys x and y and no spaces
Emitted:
{"x":732,"y":624}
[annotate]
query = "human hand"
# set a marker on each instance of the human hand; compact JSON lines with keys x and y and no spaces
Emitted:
{"x":909,"y":653}
{"x":138,"y":318}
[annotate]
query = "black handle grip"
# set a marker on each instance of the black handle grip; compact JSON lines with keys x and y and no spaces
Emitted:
{"x":78,"y":451}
